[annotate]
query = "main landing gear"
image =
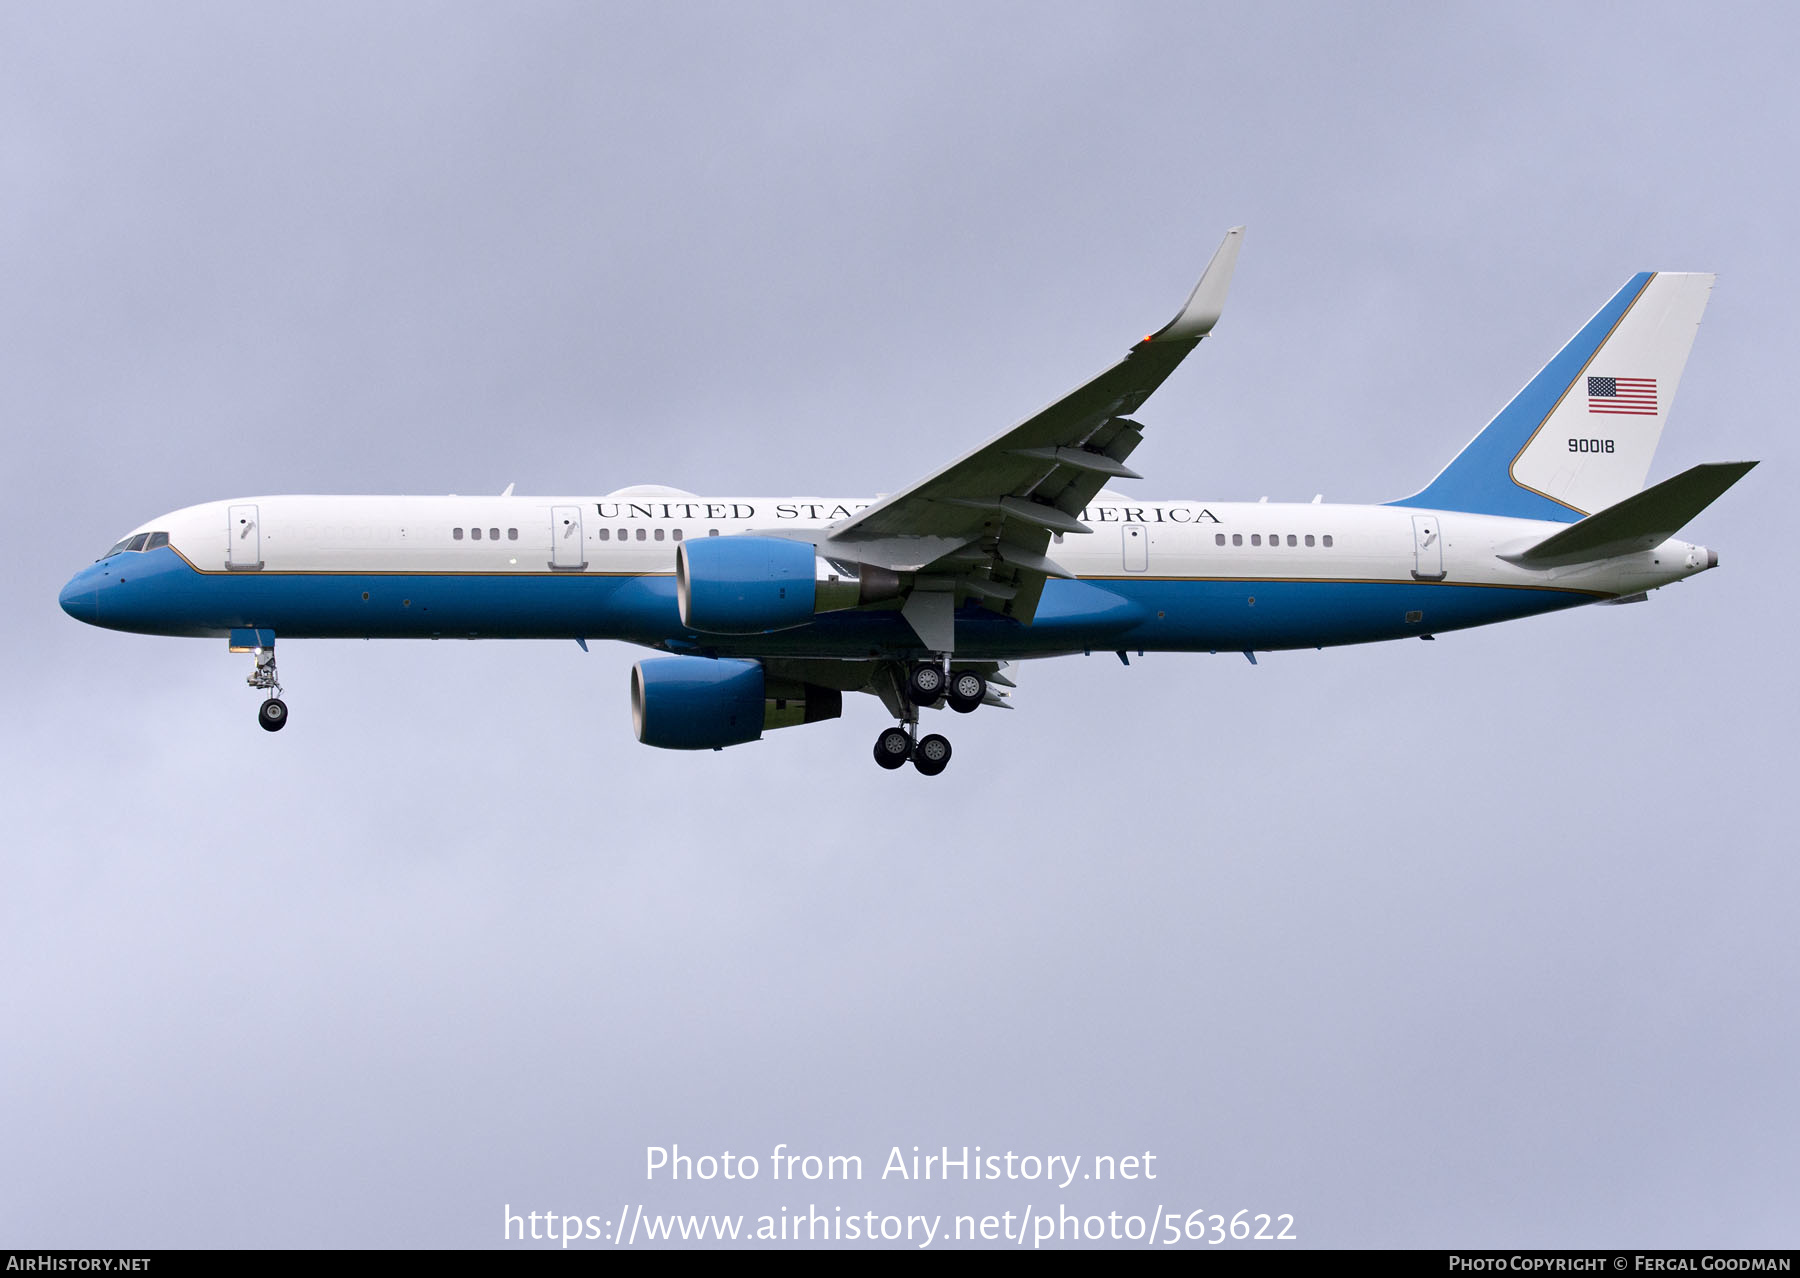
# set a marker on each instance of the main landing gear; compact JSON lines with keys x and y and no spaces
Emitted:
{"x":930,"y":754}
{"x":963,"y":689}
{"x":928,"y":685}
{"x":272,"y":714}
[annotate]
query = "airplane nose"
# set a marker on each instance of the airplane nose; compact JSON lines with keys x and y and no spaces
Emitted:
{"x":80,"y":598}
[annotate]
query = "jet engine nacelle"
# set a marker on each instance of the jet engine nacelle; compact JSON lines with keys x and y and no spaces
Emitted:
{"x":744,"y":585}
{"x":699,"y":703}
{"x":752,"y":585}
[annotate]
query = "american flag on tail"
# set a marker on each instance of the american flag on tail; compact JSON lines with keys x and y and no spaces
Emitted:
{"x":1635,"y":395}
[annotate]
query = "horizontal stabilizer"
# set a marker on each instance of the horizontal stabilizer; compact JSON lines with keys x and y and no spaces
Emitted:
{"x":1640,"y":522}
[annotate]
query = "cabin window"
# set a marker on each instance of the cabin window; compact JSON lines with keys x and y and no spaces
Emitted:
{"x":1291,"y":540}
{"x":640,"y":533}
{"x":1218,"y":539}
{"x":456,"y":534}
{"x":1256,"y":539}
{"x":512,"y":534}
{"x":1309,"y":539}
{"x":494,"y":535}
{"x":659,"y":534}
{"x":624,"y":535}
{"x":676,"y":534}
{"x":605,"y":534}
{"x":1237,"y":539}
{"x":712,"y":532}
{"x":1327,"y":541}
{"x":157,"y":539}
{"x":475,"y":534}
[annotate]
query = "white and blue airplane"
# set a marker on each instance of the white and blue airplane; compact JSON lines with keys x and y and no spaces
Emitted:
{"x":769,"y":610}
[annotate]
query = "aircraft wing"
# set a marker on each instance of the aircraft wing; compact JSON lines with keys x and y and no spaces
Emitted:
{"x":982,"y":525}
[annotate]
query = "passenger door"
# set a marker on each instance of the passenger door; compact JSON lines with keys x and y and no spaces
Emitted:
{"x":567,"y":546}
{"x":1428,"y":548}
{"x":1137,"y":548}
{"x":243,"y":539}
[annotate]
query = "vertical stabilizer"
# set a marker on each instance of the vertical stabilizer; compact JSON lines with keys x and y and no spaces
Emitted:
{"x":1580,"y":436}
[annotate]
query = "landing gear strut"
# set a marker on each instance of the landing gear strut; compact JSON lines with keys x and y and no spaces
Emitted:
{"x":273,"y":713}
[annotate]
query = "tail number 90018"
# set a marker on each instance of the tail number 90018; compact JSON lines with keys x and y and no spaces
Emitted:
{"x":1590,"y":445}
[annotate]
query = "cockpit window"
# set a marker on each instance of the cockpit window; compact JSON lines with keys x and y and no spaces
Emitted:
{"x":143,"y":541}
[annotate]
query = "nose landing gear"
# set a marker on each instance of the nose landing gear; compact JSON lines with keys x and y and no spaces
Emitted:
{"x":273,"y":713}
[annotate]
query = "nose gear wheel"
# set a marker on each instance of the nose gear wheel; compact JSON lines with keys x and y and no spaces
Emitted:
{"x":273,"y":713}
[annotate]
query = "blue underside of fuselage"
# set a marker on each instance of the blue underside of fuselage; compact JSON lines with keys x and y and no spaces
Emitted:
{"x":157,"y":592}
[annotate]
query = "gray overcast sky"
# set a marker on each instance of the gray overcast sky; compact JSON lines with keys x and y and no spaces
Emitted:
{"x":1485,"y":943}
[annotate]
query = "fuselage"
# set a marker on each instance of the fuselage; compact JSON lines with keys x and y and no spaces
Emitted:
{"x":770,"y":610}
{"x":1152,"y":576}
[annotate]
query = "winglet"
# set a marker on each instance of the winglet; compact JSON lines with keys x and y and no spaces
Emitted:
{"x":1208,"y":300}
